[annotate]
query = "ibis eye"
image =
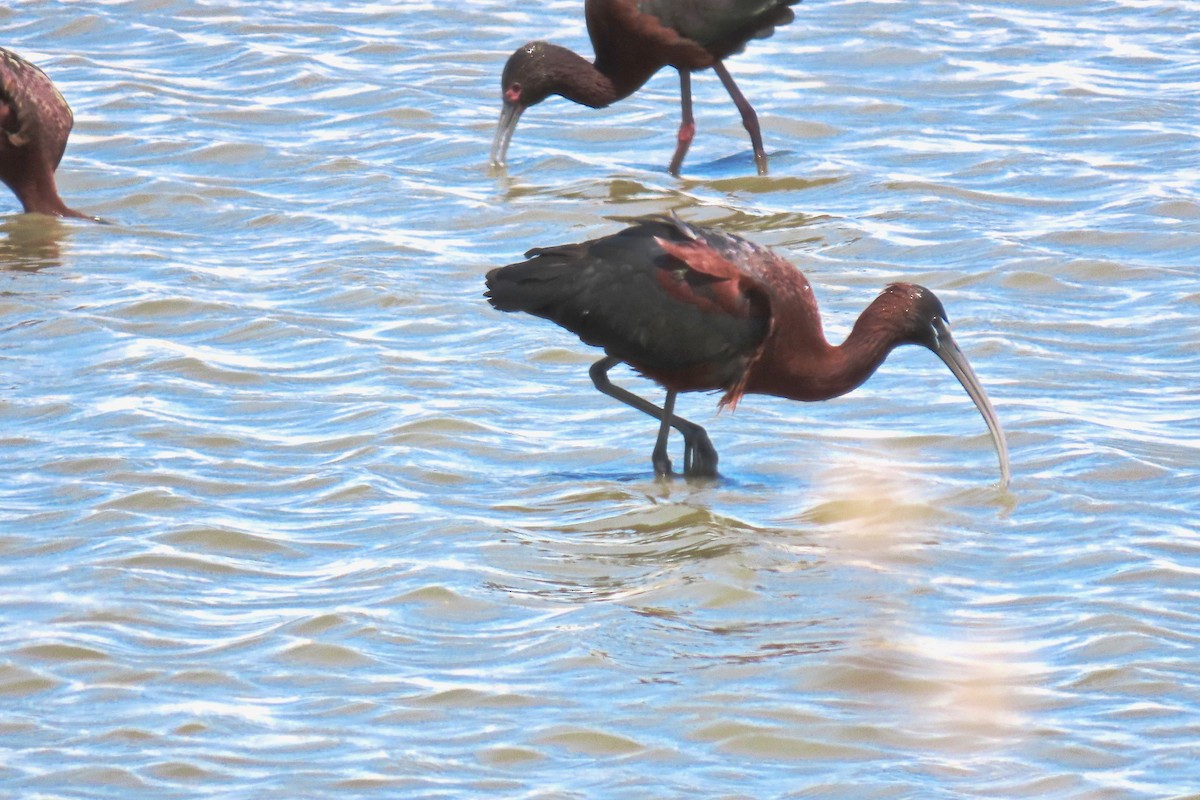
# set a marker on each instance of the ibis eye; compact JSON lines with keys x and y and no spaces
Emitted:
{"x":513,"y":93}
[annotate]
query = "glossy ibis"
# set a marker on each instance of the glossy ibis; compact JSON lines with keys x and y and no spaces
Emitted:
{"x":633,"y":39}
{"x":35,"y":121}
{"x":698,"y":309}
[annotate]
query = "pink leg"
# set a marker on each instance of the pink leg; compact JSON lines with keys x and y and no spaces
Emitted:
{"x":749,"y":118}
{"x":687,"y":125}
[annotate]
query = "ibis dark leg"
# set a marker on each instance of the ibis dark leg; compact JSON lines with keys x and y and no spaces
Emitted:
{"x":749,"y":118}
{"x":660,"y":459}
{"x":687,"y":125}
{"x":700,"y":457}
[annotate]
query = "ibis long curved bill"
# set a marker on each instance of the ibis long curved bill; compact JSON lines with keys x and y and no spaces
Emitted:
{"x":510,"y":114}
{"x":950,"y":354}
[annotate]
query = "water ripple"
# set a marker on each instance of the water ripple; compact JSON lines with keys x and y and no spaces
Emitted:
{"x":290,"y":511}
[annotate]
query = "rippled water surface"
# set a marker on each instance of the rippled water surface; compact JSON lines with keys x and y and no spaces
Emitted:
{"x":289,"y":511}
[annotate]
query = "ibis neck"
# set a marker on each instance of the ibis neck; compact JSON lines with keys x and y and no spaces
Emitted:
{"x":38,"y":192}
{"x":583,"y":82}
{"x":42,"y":198}
{"x":809,"y":368}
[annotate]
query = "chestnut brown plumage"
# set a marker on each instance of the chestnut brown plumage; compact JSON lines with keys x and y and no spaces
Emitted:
{"x":633,"y":39}
{"x":35,"y":121}
{"x":698,"y":309}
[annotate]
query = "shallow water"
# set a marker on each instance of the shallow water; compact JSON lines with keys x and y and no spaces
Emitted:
{"x":291,"y":512}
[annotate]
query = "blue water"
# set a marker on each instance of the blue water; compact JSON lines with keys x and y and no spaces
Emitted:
{"x":290,"y":511}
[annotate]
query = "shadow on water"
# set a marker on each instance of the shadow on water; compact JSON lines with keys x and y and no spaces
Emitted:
{"x":616,"y":184}
{"x":32,"y":242}
{"x":661,"y":483}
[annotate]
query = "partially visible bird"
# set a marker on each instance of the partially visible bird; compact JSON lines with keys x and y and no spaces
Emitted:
{"x":633,"y":39}
{"x":698,"y":309}
{"x":35,"y":121}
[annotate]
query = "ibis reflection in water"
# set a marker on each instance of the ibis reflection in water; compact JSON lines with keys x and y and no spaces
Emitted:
{"x":633,"y":39}
{"x":698,"y":309}
{"x":35,"y":121}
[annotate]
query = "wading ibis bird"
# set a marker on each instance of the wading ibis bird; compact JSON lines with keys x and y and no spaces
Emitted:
{"x":633,"y":39}
{"x":35,"y":121}
{"x":698,"y":309}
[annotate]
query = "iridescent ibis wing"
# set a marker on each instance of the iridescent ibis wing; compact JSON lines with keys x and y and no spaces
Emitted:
{"x":640,"y":36}
{"x":720,"y":26}
{"x":660,"y":296}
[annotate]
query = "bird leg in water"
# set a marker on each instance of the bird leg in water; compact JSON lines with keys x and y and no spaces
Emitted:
{"x":687,"y":124}
{"x":700,"y":457}
{"x":659,"y":458}
{"x":749,"y":118}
